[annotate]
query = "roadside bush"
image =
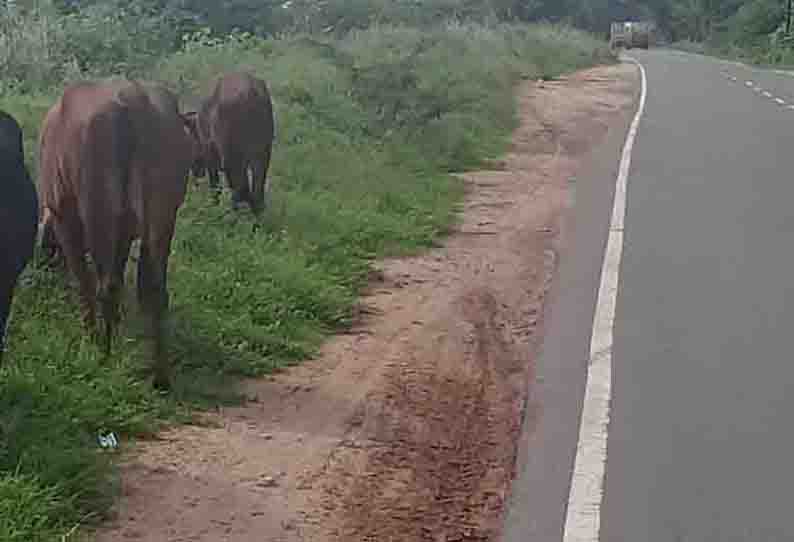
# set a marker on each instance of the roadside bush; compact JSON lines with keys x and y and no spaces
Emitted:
{"x":40,"y":47}
{"x":32,"y":55}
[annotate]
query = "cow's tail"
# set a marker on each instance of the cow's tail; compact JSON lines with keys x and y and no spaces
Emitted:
{"x":107,"y":180}
{"x":125,"y":145}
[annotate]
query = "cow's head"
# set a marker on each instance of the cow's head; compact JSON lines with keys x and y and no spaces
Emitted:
{"x":199,"y":166}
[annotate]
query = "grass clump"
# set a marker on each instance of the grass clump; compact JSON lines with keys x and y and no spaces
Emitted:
{"x":27,"y":509}
{"x":368,"y":126}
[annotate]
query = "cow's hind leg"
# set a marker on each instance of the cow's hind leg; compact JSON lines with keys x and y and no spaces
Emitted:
{"x":262,"y":189}
{"x":111,"y":285}
{"x":214,"y":173}
{"x":143,"y":273}
{"x":7,"y":283}
{"x":238,"y":182}
{"x":53,"y":256}
{"x":153,"y":296}
{"x":215,"y":184}
{"x":69,"y":234}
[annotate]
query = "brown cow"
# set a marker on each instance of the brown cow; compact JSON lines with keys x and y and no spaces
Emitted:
{"x":114,"y":167}
{"x":235,"y":126}
{"x":166,"y":103}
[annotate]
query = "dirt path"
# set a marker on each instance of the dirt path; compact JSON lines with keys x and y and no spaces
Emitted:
{"x":405,"y":429}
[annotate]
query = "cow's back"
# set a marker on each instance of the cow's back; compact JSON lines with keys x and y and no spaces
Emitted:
{"x":71,"y":144}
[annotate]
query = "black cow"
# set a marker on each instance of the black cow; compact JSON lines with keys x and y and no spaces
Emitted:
{"x":19,"y":215}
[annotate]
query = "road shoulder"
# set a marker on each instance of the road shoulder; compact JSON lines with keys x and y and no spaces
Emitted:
{"x":550,"y":435}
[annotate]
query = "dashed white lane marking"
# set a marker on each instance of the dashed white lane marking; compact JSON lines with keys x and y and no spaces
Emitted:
{"x":760,"y":90}
{"x":583,"y":516}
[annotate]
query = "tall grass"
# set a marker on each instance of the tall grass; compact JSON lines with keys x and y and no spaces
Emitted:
{"x":368,"y":126}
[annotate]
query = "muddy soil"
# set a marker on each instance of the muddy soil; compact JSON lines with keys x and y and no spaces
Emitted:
{"x":405,"y":428}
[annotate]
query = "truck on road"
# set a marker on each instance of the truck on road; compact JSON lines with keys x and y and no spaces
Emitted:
{"x":630,"y":34}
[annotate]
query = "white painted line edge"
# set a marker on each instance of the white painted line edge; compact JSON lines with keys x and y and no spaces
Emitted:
{"x":781,"y":101}
{"x":749,"y":83}
{"x":583,"y":514}
{"x":767,"y":94}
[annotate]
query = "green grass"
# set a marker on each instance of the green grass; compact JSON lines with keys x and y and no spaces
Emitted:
{"x":368,"y":128}
{"x":762,"y":54}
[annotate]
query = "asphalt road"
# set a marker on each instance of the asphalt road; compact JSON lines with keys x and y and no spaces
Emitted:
{"x":701,"y":434}
{"x":701,"y":439}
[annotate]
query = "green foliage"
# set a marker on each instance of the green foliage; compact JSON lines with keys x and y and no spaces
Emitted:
{"x":124,"y":40}
{"x":31,"y":56}
{"x":368,"y":123}
{"x":39,"y":47}
{"x":28,"y":508}
{"x":751,"y":30}
{"x":751,"y":25}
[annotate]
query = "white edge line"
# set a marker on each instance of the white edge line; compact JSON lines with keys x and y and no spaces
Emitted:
{"x":781,"y":101}
{"x":583,"y":514}
{"x":767,"y":94}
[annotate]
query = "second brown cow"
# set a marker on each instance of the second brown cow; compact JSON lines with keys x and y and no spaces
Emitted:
{"x":114,"y":168}
{"x":235,"y":126}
